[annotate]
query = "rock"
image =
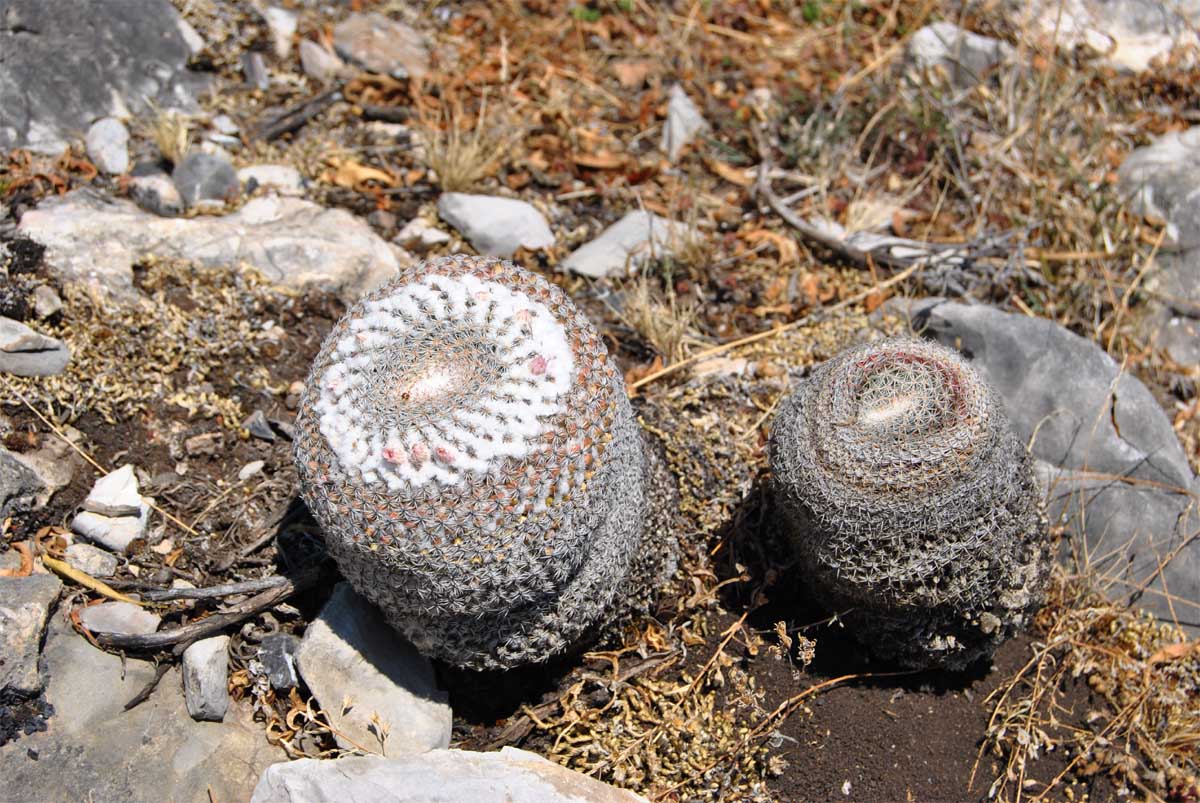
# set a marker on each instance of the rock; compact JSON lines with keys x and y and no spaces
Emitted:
{"x":1115,"y":448}
{"x":108,"y":145}
{"x":25,"y":604}
{"x":92,"y":560}
{"x":511,"y":775}
{"x":629,"y":242}
{"x":349,"y":651}
{"x":202,"y":176}
{"x":1130,"y":34}
{"x":318,"y":63}
{"x":966,"y":57}
{"x":119,"y":617}
{"x":206,"y":443}
{"x":417,"y":233}
{"x":54,"y":465}
{"x":283,"y":25}
{"x":684,"y":122}
{"x":156,"y":192}
{"x":254,"y":67}
{"x":278,"y":655}
{"x":115,"y":494}
{"x":94,"y":240}
{"x":19,"y":485}
{"x":283,"y":179}
{"x":494,"y":226}
{"x":206,"y":678}
{"x":224,"y":124}
{"x":251,"y":469}
{"x":1180,"y":336}
{"x":113,"y":57}
{"x":46,"y":302}
{"x":116,"y":533}
{"x":24,"y":352}
{"x":381,"y":45}
{"x":154,"y":751}
{"x":191,"y":36}
{"x":257,"y":425}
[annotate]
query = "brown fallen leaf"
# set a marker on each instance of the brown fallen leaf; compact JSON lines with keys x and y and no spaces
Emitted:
{"x":604,"y":160}
{"x":789,"y":253}
{"x":355,"y":176}
{"x":728,"y":172}
{"x":632,"y":73}
{"x":638,"y":372}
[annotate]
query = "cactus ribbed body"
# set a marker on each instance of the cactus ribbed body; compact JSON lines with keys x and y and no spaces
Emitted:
{"x":911,"y":502}
{"x":468,"y":448}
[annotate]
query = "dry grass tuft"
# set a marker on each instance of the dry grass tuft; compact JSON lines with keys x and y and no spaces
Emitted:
{"x":460,"y":154}
{"x":660,"y":318}
{"x":1146,"y":739}
{"x":169,"y":129}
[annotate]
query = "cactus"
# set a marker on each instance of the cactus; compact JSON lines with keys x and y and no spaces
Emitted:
{"x":911,"y":503}
{"x":468,"y":448}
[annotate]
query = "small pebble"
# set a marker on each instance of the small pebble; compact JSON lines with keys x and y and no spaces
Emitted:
{"x":92,"y":560}
{"x":119,"y":617}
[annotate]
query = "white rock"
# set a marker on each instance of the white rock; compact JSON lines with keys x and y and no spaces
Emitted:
{"x":24,"y":352}
{"x":283,"y":24}
{"x":440,"y":776}
{"x":319,"y":63}
{"x":627,"y":243}
{"x":108,"y":145}
{"x":95,"y":240}
{"x":46,"y":301}
{"x":119,"y":617}
{"x":54,"y":464}
{"x":966,"y":57}
{"x":283,"y":179}
{"x":496,"y":227}
{"x":382,"y":45}
{"x":1130,"y":34}
{"x":92,"y":560}
{"x":206,"y":678}
{"x":419,"y":233}
{"x":684,"y":122}
{"x":251,"y":469}
{"x":115,"y":494}
{"x":156,"y":192}
{"x":349,"y":651}
{"x":115,"y":533}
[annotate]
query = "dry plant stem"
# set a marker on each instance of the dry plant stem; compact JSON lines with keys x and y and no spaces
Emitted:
{"x":85,"y":455}
{"x":805,"y":321}
{"x":86,"y":580}
{"x":295,"y":116}
{"x":209,"y":625}
{"x":216,"y":592}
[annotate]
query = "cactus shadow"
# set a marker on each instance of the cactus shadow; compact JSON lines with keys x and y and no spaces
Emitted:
{"x":771,"y":590}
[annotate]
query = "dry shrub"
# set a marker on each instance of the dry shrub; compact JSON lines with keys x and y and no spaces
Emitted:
{"x":461,"y":154}
{"x":660,"y":318}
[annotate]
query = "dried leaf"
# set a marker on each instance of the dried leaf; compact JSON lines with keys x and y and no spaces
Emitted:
{"x":355,"y":176}
{"x":728,"y":172}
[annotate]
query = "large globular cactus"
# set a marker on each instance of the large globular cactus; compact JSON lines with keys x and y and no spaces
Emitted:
{"x":468,"y":448}
{"x":911,"y":503}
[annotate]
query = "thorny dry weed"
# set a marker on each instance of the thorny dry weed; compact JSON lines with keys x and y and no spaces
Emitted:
{"x":462,"y":154}
{"x":661,"y":318}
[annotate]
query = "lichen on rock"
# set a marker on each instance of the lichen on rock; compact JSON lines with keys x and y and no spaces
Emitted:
{"x":911,"y":503}
{"x":468,"y":448}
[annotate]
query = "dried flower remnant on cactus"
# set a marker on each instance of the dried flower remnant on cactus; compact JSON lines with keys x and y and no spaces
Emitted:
{"x":468,"y":448}
{"x":911,"y":503}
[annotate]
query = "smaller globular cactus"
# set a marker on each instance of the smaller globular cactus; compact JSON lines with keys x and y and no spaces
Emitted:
{"x":911,"y":503}
{"x":468,"y":448}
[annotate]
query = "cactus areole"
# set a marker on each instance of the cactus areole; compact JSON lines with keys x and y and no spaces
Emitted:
{"x":468,"y":448}
{"x":911,"y":502}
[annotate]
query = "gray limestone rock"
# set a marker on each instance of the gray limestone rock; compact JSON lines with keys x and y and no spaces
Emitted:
{"x":113,"y":57}
{"x":25,"y":604}
{"x":1129,"y":34}
{"x":278,"y":655}
{"x":206,"y":678}
{"x":283,"y":179}
{"x":202,"y":176}
{"x":115,"y":494}
{"x":627,"y":243}
{"x":966,"y":57}
{"x":1118,"y":457}
{"x":153,"y":752}
{"x":440,"y":776}
{"x":119,"y":617}
{"x":154,"y":191}
{"x":108,"y":145}
{"x":349,"y":651}
{"x":46,"y":301}
{"x":92,"y":560}
{"x":496,"y":227}
{"x":319,"y":63}
{"x":95,"y":240}
{"x":19,"y":485}
{"x":382,"y":45}
{"x":24,"y":352}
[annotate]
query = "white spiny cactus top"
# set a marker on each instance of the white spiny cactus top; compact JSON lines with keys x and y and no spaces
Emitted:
{"x":449,"y":374}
